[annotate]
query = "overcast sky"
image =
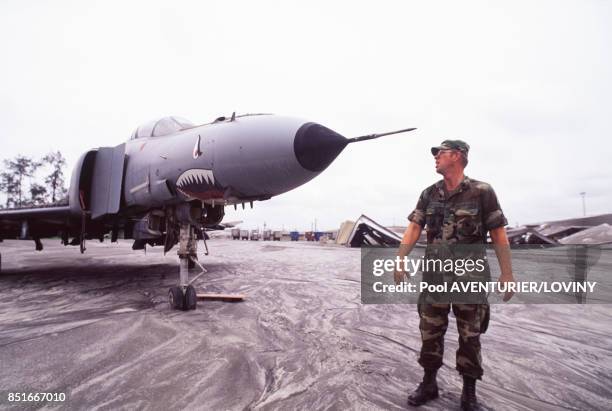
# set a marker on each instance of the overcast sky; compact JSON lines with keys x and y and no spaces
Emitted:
{"x":526,"y":83}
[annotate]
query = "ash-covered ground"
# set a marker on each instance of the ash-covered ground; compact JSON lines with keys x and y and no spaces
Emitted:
{"x":97,"y":327}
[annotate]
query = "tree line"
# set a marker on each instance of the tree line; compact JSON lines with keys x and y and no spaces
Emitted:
{"x":20,"y":183}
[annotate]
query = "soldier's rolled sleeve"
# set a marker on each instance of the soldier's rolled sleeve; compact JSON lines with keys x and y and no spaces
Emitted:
{"x":492,"y":213}
{"x":418,"y":214}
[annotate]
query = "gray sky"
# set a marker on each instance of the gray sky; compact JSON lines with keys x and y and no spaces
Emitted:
{"x":526,"y":83}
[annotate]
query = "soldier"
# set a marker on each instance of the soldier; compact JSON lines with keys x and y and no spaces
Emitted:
{"x":455,"y":211}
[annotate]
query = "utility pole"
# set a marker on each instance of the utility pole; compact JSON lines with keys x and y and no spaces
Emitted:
{"x":583,"y":195}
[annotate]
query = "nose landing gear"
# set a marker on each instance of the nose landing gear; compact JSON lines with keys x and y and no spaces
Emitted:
{"x":183,"y":296}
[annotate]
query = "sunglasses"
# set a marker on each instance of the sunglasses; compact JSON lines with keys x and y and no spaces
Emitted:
{"x":440,"y":152}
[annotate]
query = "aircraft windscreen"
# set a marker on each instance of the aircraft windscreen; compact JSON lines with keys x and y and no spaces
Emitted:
{"x":162,"y":127}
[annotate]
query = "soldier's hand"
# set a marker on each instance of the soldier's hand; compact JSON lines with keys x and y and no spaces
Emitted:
{"x":507,"y":279}
{"x":399,"y":276}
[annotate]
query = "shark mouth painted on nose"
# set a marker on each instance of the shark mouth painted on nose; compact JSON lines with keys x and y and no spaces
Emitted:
{"x":199,"y":183}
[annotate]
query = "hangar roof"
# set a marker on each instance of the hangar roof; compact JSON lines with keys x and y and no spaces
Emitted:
{"x":600,"y":234}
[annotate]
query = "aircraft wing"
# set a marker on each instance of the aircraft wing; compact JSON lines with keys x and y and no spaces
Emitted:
{"x":230,"y":224}
{"x":44,"y":219}
{"x":50,"y":212}
{"x":222,"y":226}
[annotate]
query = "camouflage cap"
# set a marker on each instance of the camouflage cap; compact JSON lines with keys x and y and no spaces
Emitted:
{"x":452,"y":145}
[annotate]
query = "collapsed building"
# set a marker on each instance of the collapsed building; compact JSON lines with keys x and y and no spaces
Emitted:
{"x":366,"y":231}
{"x":594,"y":230}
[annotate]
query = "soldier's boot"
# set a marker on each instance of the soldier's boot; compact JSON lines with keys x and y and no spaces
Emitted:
{"x":427,"y":389}
{"x":468,"y":395}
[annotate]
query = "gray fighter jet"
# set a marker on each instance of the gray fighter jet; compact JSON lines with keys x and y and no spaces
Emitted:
{"x":172,"y":179}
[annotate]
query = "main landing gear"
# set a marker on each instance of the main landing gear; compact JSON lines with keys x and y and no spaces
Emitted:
{"x":183,"y":296}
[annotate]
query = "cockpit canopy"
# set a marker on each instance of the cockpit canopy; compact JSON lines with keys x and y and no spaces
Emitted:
{"x":162,"y":127}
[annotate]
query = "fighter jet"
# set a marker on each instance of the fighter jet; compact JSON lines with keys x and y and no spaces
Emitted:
{"x":172,"y":180}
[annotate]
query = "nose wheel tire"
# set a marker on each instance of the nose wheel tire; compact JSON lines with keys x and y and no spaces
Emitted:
{"x":175,"y":298}
{"x":191,"y":298}
{"x":179,"y":300}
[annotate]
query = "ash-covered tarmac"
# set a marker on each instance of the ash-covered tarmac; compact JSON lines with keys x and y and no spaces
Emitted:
{"x":97,"y":327}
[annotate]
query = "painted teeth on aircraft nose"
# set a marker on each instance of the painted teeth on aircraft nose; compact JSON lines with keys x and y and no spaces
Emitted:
{"x":210,"y":177}
{"x":196,"y":177}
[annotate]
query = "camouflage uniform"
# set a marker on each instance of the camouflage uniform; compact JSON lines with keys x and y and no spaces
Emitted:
{"x":453,"y":219}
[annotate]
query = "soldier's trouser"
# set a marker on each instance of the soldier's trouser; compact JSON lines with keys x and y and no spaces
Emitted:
{"x":470,"y":324}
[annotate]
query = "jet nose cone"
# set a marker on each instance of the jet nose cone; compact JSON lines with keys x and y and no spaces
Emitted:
{"x":317,"y":146}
